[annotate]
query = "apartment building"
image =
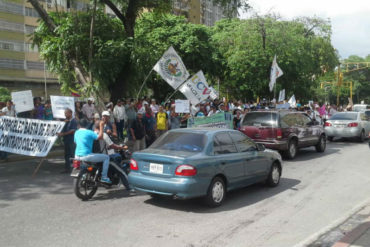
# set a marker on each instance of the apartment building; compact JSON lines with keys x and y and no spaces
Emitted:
{"x":20,"y":65}
{"x":199,"y":11}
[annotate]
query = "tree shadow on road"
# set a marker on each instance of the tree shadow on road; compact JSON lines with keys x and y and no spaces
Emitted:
{"x":17,"y":183}
{"x":235,"y":199}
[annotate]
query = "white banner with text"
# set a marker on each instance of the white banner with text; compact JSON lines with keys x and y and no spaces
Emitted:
{"x":29,"y":137}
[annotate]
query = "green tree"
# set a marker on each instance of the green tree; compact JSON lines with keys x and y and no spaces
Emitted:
{"x":4,"y":94}
{"x":81,"y":64}
{"x":302,"y":47}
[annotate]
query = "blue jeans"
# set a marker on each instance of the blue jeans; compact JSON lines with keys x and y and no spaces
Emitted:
{"x":97,"y":158}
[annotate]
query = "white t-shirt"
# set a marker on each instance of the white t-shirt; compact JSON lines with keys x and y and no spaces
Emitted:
{"x":10,"y":113}
{"x":108,"y":142}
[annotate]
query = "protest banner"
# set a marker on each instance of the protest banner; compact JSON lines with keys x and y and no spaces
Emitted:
{"x":60,"y":103}
{"x":218,"y":120}
{"x":196,"y":88}
{"x":171,"y":68}
{"x":29,"y":137}
{"x":23,"y":101}
{"x":182,"y":106}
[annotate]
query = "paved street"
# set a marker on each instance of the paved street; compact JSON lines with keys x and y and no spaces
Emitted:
{"x":316,"y":192}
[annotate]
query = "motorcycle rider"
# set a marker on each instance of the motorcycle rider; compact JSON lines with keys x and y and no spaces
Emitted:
{"x":84,"y":139}
{"x":107,"y":146}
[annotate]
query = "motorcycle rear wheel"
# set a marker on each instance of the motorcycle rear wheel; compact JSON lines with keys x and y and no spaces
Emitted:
{"x":84,"y":186}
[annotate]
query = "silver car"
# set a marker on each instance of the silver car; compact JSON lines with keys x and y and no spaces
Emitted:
{"x":348,"y":124}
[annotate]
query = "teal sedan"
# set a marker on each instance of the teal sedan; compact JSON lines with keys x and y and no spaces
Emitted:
{"x":203,"y":162}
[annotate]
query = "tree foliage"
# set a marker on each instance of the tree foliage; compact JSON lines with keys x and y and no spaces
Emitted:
{"x":236,"y":52}
{"x":4,"y":94}
{"x":248,"y":46}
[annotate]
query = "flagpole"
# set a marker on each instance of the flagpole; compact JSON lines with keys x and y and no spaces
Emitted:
{"x":141,"y":88}
{"x":275,"y":94}
{"x":172,"y":95}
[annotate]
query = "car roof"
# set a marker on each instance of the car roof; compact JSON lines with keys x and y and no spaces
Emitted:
{"x":201,"y":130}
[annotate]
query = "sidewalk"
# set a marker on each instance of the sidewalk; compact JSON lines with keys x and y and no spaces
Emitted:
{"x":358,"y":237}
{"x":353,"y":232}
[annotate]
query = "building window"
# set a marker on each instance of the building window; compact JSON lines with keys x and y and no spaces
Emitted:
{"x":11,"y":64}
{"x":30,"y":29}
{"x":11,"y":26}
{"x":31,"y":12}
{"x":11,"y":8}
{"x":35,"y":65}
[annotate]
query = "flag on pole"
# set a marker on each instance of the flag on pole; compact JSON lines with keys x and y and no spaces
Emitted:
{"x":171,"y":68}
{"x":276,"y":72}
{"x":196,"y":89}
{"x":292,"y":101}
{"x":74,"y":93}
{"x":281,"y":95}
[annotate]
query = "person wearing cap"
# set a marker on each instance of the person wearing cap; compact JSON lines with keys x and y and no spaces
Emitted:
{"x":138,"y":132}
{"x":68,"y":139}
{"x":88,"y":109}
{"x":120,"y":117}
{"x":109,"y":128}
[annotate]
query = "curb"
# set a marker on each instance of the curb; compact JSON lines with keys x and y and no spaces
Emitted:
{"x":353,"y":235}
{"x":308,"y":241}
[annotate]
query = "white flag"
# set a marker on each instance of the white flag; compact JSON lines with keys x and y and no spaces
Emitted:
{"x":214,"y":94}
{"x":292,"y":101}
{"x":196,"y":88}
{"x":276,"y":72}
{"x":171,"y":68}
{"x":282,"y":95}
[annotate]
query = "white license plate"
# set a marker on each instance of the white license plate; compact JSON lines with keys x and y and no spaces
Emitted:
{"x":156,"y":168}
{"x":339,"y":126}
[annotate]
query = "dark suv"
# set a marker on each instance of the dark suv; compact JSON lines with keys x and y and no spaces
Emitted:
{"x":284,"y":130}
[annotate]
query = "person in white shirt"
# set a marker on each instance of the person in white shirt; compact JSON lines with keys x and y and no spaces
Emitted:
{"x":154,"y":106}
{"x":120,"y":117}
{"x":88,"y":109}
{"x":8,"y":110}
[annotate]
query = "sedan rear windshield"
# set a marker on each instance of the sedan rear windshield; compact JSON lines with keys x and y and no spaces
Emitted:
{"x":344,"y":116}
{"x":260,"y":119}
{"x":181,"y":141}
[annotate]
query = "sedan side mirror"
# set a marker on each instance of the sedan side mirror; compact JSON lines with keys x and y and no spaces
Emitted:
{"x":260,"y":147}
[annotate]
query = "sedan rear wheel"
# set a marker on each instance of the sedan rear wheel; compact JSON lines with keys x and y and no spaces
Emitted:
{"x":274,"y":176}
{"x":216,"y":192}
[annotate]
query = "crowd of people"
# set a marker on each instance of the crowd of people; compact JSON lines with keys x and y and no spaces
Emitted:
{"x":140,"y":122}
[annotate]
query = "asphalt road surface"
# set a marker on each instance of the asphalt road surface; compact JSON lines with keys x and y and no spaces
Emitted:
{"x":317,"y":190}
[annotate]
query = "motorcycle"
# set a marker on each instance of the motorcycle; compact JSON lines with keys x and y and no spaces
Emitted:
{"x":87,"y":175}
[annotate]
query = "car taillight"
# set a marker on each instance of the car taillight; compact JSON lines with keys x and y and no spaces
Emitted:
{"x":279,"y":133}
{"x":352,"y":125}
{"x":185,"y":170}
{"x":76,"y":164}
{"x":133,"y":165}
{"x":327,"y":124}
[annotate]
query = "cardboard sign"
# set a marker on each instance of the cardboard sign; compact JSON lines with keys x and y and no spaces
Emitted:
{"x":60,"y":103}
{"x":30,"y":137}
{"x":182,"y":106}
{"x":23,"y":101}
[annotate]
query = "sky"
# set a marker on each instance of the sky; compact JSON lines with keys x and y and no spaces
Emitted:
{"x":350,"y":20}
